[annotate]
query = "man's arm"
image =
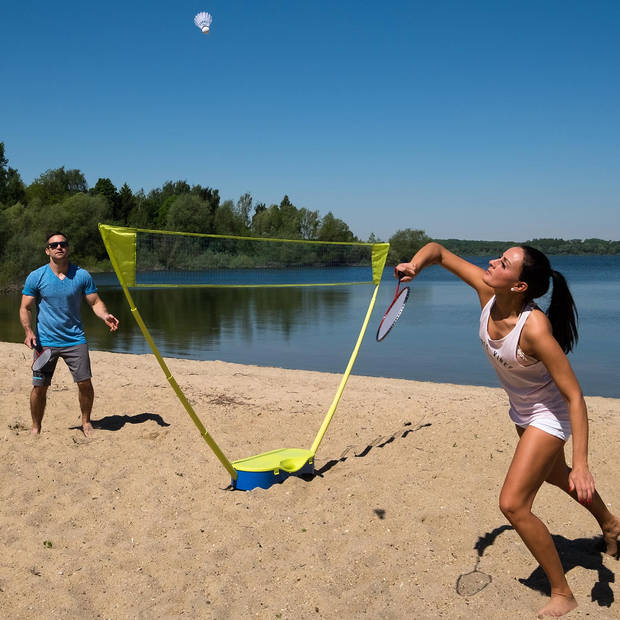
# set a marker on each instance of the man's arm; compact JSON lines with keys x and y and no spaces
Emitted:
{"x":96,"y":303}
{"x":25,"y":318}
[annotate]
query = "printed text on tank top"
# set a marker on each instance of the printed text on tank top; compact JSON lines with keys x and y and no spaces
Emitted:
{"x":494,"y":327}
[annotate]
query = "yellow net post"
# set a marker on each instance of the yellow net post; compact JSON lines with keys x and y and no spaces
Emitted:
{"x":343,"y":381}
{"x":121,"y":247}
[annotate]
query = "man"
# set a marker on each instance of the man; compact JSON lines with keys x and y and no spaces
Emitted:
{"x":56,"y":289}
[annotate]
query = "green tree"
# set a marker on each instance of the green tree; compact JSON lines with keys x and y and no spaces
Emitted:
{"x":308,"y":223}
{"x":12,"y":189}
{"x":404,"y":244}
{"x":266,"y":221}
{"x":188,"y":213}
{"x":290,"y":220}
{"x":162,"y":212}
{"x":106,"y":188}
{"x":53,"y":185}
{"x":126,"y":204}
{"x":243,"y":209}
{"x":143,"y":214}
{"x":77,"y":216}
{"x":227,"y":220}
{"x":259,"y":208}
{"x":20,"y":248}
{"x":334,"y":229}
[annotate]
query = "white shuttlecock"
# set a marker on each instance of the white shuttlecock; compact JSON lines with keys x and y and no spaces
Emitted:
{"x":203,"y":21}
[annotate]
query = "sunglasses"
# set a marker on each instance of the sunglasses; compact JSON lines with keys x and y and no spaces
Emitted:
{"x":57,"y":244}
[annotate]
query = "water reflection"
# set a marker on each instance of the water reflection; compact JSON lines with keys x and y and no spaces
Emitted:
{"x":206,"y":317}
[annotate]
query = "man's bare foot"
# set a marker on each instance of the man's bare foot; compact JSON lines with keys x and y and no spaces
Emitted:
{"x":559,"y":605}
{"x":87,"y":429}
{"x":611,"y":532}
{"x":35,"y":430}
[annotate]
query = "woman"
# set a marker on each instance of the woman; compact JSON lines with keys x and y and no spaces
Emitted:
{"x":528,"y":350}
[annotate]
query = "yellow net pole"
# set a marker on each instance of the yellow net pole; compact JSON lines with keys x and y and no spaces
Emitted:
{"x":347,"y":372}
{"x":177,"y":390}
{"x":105,"y":232}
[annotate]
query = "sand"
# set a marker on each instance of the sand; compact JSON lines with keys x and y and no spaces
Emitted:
{"x":139,"y":522}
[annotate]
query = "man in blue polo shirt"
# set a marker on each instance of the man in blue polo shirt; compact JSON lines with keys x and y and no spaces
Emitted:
{"x":56,"y":289}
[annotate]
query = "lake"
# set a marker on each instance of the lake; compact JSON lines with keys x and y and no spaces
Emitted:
{"x":316,"y":328}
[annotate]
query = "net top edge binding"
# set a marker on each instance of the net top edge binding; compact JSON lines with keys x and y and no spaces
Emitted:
{"x":243,"y":238}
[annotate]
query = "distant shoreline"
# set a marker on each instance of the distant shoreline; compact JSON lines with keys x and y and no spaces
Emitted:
{"x":468,"y":250}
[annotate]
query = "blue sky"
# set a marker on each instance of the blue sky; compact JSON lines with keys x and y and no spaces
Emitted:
{"x":469,"y":119}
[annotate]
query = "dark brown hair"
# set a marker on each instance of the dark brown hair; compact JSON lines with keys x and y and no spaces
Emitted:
{"x":562,"y":312}
{"x":53,"y":234}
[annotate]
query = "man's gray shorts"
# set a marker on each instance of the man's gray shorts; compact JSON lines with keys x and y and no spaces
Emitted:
{"x":76,"y":358}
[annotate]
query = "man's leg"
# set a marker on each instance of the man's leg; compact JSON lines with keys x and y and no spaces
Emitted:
{"x":38,"y":398}
{"x":86,"y":395}
{"x":78,"y":360}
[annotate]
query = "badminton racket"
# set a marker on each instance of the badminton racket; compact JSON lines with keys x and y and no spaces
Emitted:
{"x":394,"y":311}
{"x":41,"y":357}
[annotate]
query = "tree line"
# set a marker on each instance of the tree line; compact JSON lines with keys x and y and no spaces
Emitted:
{"x":60,"y":199}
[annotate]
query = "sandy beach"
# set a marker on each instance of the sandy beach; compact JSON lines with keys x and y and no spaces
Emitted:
{"x":138,"y":522}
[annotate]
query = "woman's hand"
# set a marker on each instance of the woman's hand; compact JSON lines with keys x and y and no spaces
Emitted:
{"x":581,"y":481}
{"x":405,"y":272}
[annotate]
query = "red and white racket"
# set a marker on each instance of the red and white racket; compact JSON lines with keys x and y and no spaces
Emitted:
{"x":393,"y":313}
{"x":41,"y":357}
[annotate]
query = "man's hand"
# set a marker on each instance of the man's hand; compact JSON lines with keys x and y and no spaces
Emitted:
{"x":111,"y":321}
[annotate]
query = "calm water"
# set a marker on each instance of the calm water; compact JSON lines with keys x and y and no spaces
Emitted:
{"x":316,"y":328}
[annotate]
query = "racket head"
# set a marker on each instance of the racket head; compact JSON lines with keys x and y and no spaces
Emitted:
{"x":41,"y":358}
{"x":392,"y":314}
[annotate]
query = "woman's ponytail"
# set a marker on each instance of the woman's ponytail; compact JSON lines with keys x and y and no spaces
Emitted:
{"x":562,"y":311}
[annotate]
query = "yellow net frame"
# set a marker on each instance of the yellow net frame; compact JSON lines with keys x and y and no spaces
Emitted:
{"x":121,"y":245}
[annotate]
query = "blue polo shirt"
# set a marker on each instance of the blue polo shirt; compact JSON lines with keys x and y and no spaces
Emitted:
{"x":59,"y":317}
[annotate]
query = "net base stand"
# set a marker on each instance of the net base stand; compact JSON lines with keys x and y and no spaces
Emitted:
{"x":265,"y":470}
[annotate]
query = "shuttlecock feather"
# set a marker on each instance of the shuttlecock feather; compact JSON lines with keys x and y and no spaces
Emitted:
{"x":203,"y":21}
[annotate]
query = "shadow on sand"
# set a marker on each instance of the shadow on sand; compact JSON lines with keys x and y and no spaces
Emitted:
{"x":581,"y":552}
{"x":116,"y":422}
{"x":357,"y":452}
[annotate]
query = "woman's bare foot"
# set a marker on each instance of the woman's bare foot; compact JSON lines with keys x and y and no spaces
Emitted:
{"x":559,"y":605}
{"x":611,"y":532}
{"x":87,"y":429}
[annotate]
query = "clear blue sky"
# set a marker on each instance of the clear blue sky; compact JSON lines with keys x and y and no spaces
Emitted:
{"x":469,"y":119}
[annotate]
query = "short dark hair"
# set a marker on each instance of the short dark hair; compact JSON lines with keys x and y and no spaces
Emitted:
{"x":53,"y":234}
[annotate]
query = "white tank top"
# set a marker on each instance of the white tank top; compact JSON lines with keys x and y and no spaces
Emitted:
{"x":534,"y":397}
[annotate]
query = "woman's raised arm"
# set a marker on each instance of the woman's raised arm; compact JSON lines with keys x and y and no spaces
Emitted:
{"x":435,"y":254}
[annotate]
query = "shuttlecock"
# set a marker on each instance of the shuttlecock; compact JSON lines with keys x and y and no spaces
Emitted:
{"x":203,"y":21}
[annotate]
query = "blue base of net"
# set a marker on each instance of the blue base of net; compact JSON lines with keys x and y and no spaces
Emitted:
{"x":248,"y":480}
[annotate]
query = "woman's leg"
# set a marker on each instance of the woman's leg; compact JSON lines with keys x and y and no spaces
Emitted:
{"x":610,"y":524}
{"x":532,"y":462}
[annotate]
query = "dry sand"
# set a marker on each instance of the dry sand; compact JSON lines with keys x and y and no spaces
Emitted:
{"x":138,"y":522}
